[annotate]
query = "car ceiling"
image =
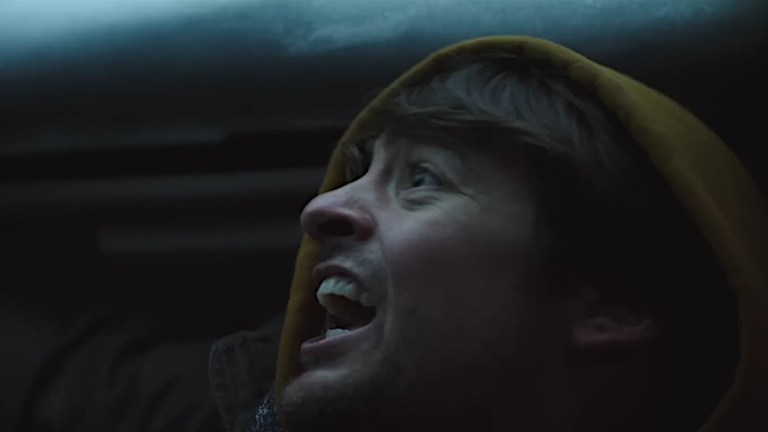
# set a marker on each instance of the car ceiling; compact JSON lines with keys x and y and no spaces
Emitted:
{"x":154,"y":132}
{"x":108,"y":73}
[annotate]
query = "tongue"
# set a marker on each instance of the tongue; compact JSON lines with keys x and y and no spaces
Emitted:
{"x":348,"y":314}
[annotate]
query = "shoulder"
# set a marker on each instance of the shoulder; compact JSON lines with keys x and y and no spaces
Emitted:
{"x":241,"y":369}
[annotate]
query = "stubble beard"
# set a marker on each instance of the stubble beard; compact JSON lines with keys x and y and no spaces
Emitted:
{"x":360,"y":401}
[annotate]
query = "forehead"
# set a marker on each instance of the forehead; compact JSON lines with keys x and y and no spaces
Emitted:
{"x":405,"y":141}
{"x":475,"y":153}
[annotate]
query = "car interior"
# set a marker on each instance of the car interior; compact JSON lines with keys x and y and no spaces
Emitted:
{"x":155,"y":156}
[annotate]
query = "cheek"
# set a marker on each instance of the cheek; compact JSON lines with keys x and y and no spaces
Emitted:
{"x":452,"y":296}
{"x":449,"y":278}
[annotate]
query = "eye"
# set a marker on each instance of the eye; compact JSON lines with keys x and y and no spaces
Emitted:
{"x":422,"y":176}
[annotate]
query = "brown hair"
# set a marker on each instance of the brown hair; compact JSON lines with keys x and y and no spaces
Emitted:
{"x":605,"y":210}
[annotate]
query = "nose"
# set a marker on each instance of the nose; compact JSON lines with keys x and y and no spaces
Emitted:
{"x":337,"y":215}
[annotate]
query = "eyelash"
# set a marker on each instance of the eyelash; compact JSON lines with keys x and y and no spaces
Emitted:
{"x":361,"y":165}
{"x":420,"y":168}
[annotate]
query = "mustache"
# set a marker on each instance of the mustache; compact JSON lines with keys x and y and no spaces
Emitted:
{"x":358,"y":260}
{"x":345,"y":255}
{"x":337,"y":251}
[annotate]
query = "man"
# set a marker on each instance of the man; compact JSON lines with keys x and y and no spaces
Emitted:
{"x":512,"y":237}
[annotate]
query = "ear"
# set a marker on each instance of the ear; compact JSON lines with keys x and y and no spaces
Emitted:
{"x":604,"y":324}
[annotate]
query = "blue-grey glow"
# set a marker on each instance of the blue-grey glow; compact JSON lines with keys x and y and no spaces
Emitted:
{"x":306,"y":26}
{"x":28,"y":22}
{"x":117,"y":72}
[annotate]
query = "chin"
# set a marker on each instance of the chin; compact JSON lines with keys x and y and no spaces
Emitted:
{"x":330,"y":396}
{"x":321,"y":387}
{"x":323,"y":401}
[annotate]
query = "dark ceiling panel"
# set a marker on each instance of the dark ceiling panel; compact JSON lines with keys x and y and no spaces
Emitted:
{"x":111,"y":75}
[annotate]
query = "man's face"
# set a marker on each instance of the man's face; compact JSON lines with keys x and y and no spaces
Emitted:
{"x":441,"y":241}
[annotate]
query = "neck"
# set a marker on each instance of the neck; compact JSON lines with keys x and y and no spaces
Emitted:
{"x":623,"y":397}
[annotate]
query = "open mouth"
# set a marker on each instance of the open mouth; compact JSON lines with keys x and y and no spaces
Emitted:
{"x":347,"y":307}
{"x":345,"y":316}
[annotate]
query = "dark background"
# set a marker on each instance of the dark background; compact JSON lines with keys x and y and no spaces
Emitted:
{"x":155,"y":156}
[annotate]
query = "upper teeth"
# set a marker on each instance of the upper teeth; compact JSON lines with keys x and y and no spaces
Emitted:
{"x":342,"y":287}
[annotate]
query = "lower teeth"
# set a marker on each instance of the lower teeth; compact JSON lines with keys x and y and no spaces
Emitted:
{"x":332,"y":333}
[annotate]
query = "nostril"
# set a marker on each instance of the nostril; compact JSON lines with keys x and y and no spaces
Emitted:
{"x":335,"y":228}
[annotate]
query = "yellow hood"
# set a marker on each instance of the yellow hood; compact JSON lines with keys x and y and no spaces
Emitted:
{"x":713,"y":186}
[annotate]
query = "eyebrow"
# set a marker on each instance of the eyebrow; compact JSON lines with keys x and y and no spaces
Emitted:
{"x":451,"y":145}
{"x":360,"y":151}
